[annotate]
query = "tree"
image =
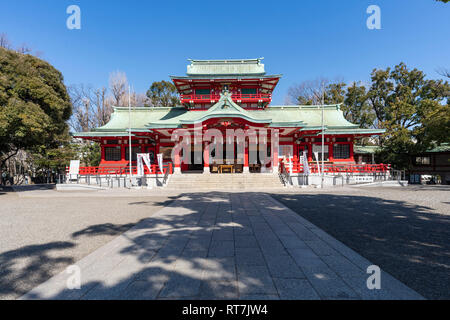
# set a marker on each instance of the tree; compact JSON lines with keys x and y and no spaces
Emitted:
{"x":406,"y":104}
{"x":163,"y":94}
{"x":356,"y":107}
{"x":34,"y":105}
{"x":353,"y":99}
{"x":118,"y":84}
{"x":4,"y":41}
{"x":307,"y":92}
{"x":92,"y":108}
{"x":444,"y":72}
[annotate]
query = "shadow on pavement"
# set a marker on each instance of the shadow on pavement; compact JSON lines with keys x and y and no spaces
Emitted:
{"x":179,"y":256}
{"x":23,"y":268}
{"x":192,"y":255}
{"x":408,"y":241}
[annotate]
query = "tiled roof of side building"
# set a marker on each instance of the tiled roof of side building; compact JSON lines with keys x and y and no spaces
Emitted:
{"x":366,"y":149}
{"x":443,"y":147}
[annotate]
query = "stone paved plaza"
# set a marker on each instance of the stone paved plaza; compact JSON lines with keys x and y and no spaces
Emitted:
{"x":220,"y":245}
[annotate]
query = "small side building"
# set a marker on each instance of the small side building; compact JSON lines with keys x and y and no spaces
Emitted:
{"x":365,"y":154}
{"x":434,"y":162}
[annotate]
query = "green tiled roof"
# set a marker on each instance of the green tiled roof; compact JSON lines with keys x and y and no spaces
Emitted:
{"x":308,"y":117}
{"x":226,"y":67}
{"x":443,"y":147}
{"x":366,"y":149}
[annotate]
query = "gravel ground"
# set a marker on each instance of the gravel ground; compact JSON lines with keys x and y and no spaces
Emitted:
{"x":43,"y":231}
{"x":405,"y":231}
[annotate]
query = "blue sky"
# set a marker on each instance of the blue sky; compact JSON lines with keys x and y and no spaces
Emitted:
{"x":302,"y":40}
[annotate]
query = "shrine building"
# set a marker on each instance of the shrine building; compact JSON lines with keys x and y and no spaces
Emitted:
{"x":228,"y":94}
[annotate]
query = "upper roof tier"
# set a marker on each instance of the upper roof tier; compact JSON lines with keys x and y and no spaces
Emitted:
{"x":229,"y":67}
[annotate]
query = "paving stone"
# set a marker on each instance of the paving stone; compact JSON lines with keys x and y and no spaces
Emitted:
{"x":293,"y":242}
{"x":219,"y":290}
{"x":219,"y":269}
{"x":252,"y":213}
{"x":142,"y":290}
{"x":116,"y":280}
{"x":221,"y":249}
{"x":195,"y":253}
{"x":259,"y":297}
{"x":199,"y":243}
{"x":295,"y":289}
{"x":243,"y":231}
{"x":283,"y":266}
{"x":245,"y":242}
{"x":303,"y":256}
{"x":356,"y":278}
{"x":223,"y":234}
{"x":250,"y":256}
{"x":302,"y":232}
{"x":254,"y":280}
{"x":271,"y":247}
{"x":324,"y":280}
{"x":181,"y":286}
{"x":329,"y":285}
{"x":321,"y":248}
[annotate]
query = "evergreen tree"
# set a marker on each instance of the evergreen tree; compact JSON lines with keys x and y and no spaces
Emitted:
{"x":34,"y":105}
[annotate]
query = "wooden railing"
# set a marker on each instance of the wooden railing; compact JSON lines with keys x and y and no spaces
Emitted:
{"x":199,"y":98}
{"x":297,"y":167}
{"x":251,"y":96}
{"x":123,"y":170}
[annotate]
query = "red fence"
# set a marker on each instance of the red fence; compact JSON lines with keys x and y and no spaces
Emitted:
{"x":124,"y":170}
{"x":297,"y":167}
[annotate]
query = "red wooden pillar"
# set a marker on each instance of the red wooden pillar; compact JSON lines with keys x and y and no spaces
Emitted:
{"x":330,"y":152}
{"x":275,"y":160}
{"x":246,"y":168}
{"x":310,"y":152}
{"x":177,"y":163}
{"x":351,"y":152}
{"x":103,"y":152}
{"x":122,"y":152}
{"x":206,"y":158}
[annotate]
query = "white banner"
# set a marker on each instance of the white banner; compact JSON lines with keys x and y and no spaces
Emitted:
{"x":74,"y":169}
{"x":316,"y":154}
{"x":304,"y":162}
{"x":159,"y":156}
{"x":141,"y":159}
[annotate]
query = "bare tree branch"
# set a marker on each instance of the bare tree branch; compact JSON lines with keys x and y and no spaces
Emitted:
{"x":118,"y":85}
{"x":4,"y":41}
{"x":24,"y":49}
{"x":444,"y":72}
{"x":307,"y":92}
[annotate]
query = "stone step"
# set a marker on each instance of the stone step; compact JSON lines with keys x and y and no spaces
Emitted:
{"x":224,"y":181}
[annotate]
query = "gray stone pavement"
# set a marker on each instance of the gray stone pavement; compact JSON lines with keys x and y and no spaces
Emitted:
{"x":221,"y":245}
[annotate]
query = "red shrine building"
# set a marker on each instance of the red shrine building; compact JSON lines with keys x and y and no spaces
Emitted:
{"x":227,"y":94}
